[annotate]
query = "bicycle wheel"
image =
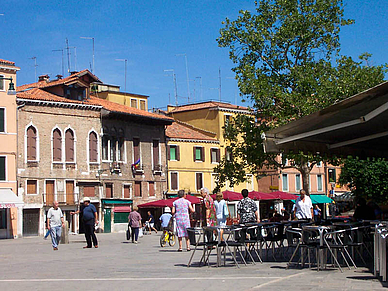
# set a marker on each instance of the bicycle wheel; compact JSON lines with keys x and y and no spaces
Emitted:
{"x":171,"y":240}
{"x":163,"y":239}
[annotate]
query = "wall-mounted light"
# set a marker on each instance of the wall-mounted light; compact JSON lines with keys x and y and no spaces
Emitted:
{"x":11,"y":87}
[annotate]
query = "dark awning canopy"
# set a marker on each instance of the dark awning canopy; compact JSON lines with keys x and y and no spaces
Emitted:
{"x":356,"y":126}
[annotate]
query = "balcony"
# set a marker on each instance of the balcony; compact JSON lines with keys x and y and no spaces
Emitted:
{"x":157,"y":169}
{"x":62,"y":198}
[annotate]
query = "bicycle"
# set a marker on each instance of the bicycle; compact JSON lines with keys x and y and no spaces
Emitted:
{"x":167,"y":236}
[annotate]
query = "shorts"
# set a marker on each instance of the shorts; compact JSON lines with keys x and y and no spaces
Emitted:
{"x":150,"y":224}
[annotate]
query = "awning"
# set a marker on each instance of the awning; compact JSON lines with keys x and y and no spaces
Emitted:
{"x":122,"y":209}
{"x":168,"y":202}
{"x":9,"y":199}
{"x":115,"y":201}
{"x":229,"y":196}
{"x":355,"y":126}
{"x":279,"y":195}
{"x":318,"y":199}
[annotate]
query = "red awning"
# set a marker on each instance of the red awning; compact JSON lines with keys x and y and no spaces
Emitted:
{"x":168,"y":202}
{"x":283,"y":195}
{"x":230,"y":196}
{"x":261,"y":196}
{"x":125,"y":208}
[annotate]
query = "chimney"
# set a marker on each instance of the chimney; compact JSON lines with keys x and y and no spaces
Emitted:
{"x":73,"y":72}
{"x":44,"y":78}
{"x":59,"y":77}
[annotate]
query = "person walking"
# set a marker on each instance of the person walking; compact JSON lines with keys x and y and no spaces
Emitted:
{"x":221,"y":209}
{"x":247,"y":209}
{"x":303,"y":206}
{"x":180,"y":209}
{"x":134,"y":219}
{"x":208,"y":209}
{"x":90,"y":219}
{"x":55,"y":223}
{"x":151,"y":222}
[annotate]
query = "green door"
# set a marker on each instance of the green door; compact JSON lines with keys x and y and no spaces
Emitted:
{"x":107,"y":220}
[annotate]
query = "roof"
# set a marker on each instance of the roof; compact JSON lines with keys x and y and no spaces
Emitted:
{"x":208,"y":105}
{"x":180,"y":130}
{"x":39,"y":94}
{"x":6,"y":62}
{"x":44,"y":84}
{"x":355,"y":126}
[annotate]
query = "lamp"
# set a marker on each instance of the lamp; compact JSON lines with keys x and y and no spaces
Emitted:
{"x":11,"y":86}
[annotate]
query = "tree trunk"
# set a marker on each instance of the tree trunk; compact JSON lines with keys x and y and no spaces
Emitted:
{"x":305,"y":172}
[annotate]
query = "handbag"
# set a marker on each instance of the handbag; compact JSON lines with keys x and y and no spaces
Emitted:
{"x":226,"y":210}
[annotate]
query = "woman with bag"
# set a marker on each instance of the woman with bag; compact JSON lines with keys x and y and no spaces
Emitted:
{"x":135,"y":222}
{"x":221,"y":209}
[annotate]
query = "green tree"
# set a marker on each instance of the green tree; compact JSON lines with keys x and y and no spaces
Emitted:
{"x":288,"y":65}
{"x":366,"y":178}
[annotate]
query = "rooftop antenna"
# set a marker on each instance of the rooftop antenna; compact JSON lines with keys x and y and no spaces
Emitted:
{"x":68,"y":55}
{"x":187,"y":77}
{"x":125,"y":75}
{"x":92,"y":38}
{"x":200,"y":85}
{"x":63,"y":69}
{"x":35,"y":65}
{"x":175,"y":87}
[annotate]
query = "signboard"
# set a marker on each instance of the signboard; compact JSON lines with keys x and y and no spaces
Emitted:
{"x":273,"y":187}
{"x":7,"y":205}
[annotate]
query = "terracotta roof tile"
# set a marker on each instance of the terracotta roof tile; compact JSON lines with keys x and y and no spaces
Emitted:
{"x":45,"y":84}
{"x":207,"y":105}
{"x":39,"y":94}
{"x":7,"y":62}
{"x":184,"y":131}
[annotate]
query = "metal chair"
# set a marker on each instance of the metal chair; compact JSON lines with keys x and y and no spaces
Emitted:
{"x":198,"y":239}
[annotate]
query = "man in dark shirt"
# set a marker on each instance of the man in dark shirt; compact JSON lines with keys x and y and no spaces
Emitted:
{"x":151,"y":222}
{"x":90,"y":219}
{"x":247,"y":209}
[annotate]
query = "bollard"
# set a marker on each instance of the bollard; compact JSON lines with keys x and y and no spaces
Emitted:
{"x":65,"y":233}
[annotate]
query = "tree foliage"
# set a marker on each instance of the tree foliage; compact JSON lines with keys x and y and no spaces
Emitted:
{"x":287,"y":64}
{"x":366,"y":178}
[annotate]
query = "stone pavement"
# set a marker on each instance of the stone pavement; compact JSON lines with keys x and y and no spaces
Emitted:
{"x":31,"y":264}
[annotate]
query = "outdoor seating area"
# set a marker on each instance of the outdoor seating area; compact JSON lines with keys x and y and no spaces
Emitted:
{"x":332,"y":244}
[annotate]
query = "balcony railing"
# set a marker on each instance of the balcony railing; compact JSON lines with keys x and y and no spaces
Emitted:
{"x":62,"y":198}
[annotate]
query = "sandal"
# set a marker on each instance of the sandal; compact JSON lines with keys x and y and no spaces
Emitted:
{"x":179,"y":250}
{"x":188,"y":249}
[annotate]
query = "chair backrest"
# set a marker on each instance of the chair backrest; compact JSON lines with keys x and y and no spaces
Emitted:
{"x":194,"y":235}
{"x":293,"y":235}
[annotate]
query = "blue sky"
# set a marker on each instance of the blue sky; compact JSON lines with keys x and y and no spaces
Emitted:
{"x":150,"y":34}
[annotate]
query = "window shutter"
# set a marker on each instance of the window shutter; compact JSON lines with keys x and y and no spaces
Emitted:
{"x":194,"y":148}
{"x":1,"y":119}
{"x":57,"y":146}
{"x":218,"y":155}
{"x":168,"y":152}
{"x":202,"y":154}
{"x":69,"y":146}
{"x":93,"y":147}
{"x":174,"y":181}
{"x":2,"y":168}
{"x":177,"y":154}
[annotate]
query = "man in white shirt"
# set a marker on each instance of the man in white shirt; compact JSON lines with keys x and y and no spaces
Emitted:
{"x":55,"y":223}
{"x":303,"y":206}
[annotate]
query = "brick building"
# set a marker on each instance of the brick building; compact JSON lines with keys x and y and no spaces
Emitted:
{"x":72,"y":145}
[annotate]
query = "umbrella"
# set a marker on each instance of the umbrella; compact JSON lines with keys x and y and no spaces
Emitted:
{"x":283,"y":195}
{"x":230,"y":196}
{"x":168,"y":202}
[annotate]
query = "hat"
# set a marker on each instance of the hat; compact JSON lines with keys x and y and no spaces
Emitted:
{"x":86,"y":199}
{"x":167,"y":209}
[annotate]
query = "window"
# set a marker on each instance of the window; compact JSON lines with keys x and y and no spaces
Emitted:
{"x":297,"y":182}
{"x":3,"y":216}
{"x":113,"y":152}
{"x":89,"y":191}
{"x":57,"y":145}
{"x":105,"y":148}
{"x":319,"y":183}
{"x":142,"y":105}
{"x":136,"y":150}
{"x":284,"y":182}
{"x":228,"y":154}
{"x":198,"y":154}
{"x":108,"y":191}
{"x":173,"y":153}
{"x":134,"y":103}
{"x":1,"y":83}
{"x":155,"y":153}
{"x":214,"y":179}
{"x":174,"y":181}
{"x":31,"y":144}
{"x":69,"y":146}
{"x":227,"y":119}
{"x":138,"y":189}
{"x":332,"y":177}
{"x":120,"y":150}
{"x":319,"y":164}
{"x":112,"y":148}
{"x":3,"y":169}
{"x":2,"y":120}
{"x":93,"y":150}
{"x":32,"y":187}
{"x":127,"y":191}
{"x":198,"y":181}
{"x":215,"y":155}
{"x":250,"y":182}
{"x":151,"y":189}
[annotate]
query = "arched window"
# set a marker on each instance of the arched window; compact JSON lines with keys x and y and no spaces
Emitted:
{"x":57,"y":145}
{"x":31,"y":144}
{"x":69,"y":145}
{"x":93,"y":151}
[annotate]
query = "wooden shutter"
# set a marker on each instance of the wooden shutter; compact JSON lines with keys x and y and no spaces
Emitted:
{"x":194,"y":150}
{"x":218,"y":155}
{"x":108,"y":191}
{"x":49,"y":192}
{"x":136,"y":149}
{"x":89,"y":191}
{"x":31,"y":187}
{"x":177,"y":154}
{"x":155,"y":151}
{"x":138,"y":189}
{"x":57,"y":146}
{"x":174,"y":181}
{"x":31,"y":144}
{"x":168,"y":152}
{"x":70,"y":192}
{"x":198,"y":177}
{"x":69,"y":145}
{"x":93,"y":147}
{"x":151,"y":187}
{"x":126,"y":191}
{"x":202,"y":154}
